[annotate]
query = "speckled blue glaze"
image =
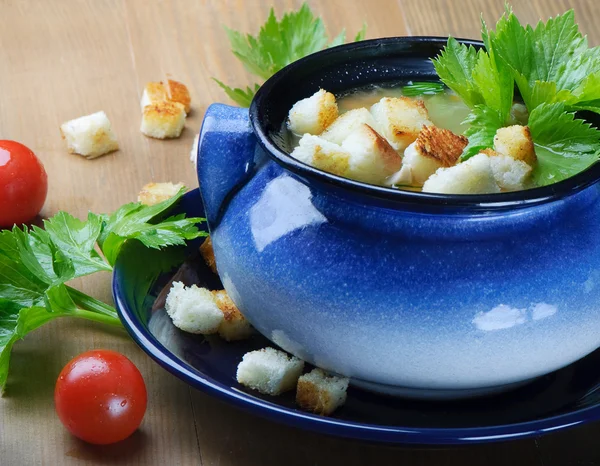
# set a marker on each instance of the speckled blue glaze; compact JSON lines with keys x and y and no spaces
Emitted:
{"x":443,"y":298}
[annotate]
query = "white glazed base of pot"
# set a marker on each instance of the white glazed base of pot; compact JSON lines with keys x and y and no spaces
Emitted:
{"x":433,"y":394}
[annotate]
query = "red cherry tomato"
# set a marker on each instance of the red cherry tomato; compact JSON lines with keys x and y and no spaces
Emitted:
{"x":23,"y":184}
{"x":100,"y":397}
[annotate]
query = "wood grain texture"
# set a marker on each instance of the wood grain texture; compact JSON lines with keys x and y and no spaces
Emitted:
{"x":62,"y":59}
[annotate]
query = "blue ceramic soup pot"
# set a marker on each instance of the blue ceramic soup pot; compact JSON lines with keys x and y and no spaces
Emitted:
{"x":409,"y":293}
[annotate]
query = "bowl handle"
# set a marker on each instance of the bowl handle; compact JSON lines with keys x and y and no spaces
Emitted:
{"x":225,"y":157}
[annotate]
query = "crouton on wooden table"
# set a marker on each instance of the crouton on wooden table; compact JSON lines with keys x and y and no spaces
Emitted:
{"x":90,"y":136}
{"x":163,"y":120}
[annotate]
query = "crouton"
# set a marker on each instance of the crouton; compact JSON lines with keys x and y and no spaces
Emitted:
{"x":321,"y":393}
{"x":313,"y":114}
{"x":509,"y":173}
{"x":193,"y":309}
{"x":154,"y":193}
{"x":207,"y":253}
{"x":269,"y":371}
{"x":400,"y":120}
{"x":194,"y":151}
{"x":372,"y":159}
{"x":163,"y":120}
{"x":179,"y":93}
{"x":473,"y":176}
{"x":434,"y":148}
{"x":234,"y":325}
{"x":347,"y":123}
{"x":90,"y":136}
{"x":515,"y":141}
{"x":154,"y":92}
{"x":323,"y":155}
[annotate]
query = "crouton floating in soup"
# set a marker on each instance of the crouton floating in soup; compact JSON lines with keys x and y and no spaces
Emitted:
{"x":381,"y":137}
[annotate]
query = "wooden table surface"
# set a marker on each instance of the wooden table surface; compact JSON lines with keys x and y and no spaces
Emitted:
{"x":61,"y":59}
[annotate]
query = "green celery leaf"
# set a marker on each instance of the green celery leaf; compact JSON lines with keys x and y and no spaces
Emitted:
{"x":15,"y":322}
{"x":242,"y":97}
{"x":455,"y":66}
{"x":57,"y":265}
{"x":556,"y":42}
{"x":550,"y":63}
{"x":279,"y":43}
{"x":564,"y":145}
{"x":17,"y":282}
{"x":77,"y":240}
{"x":360,"y":35}
{"x":59,"y":301}
{"x":139,"y":222}
{"x":483,"y":123}
{"x":494,"y":82}
{"x":339,"y":39}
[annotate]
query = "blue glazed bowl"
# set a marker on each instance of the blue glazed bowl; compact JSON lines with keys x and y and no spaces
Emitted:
{"x":417,"y":294}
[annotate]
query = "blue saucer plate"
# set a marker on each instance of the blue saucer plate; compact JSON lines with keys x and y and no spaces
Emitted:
{"x":565,"y":398}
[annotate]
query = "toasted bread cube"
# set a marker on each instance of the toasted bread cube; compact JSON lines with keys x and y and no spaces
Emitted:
{"x":473,"y":176}
{"x":321,"y":393}
{"x":509,"y":173}
{"x":154,"y":193}
{"x":234,"y":325}
{"x":372,"y":159}
{"x":208,"y":254}
{"x":194,"y":151}
{"x":269,"y":371}
{"x":179,"y":93}
{"x":90,"y":136}
{"x":313,"y":114}
{"x":163,"y":120}
{"x":400,"y":120}
{"x":193,"y":309}
{"x":347,"y":123}
{"x":515,"y":141}
{"x":323,"y":155}
{"x":434,"y":148}
{"x":154,"y":92}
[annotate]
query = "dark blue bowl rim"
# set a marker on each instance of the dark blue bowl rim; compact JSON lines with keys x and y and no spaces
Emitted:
{"x":330,"y":425}
{"x":501,"y":201}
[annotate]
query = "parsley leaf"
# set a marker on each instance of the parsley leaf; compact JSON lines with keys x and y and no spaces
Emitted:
{"x":136,"y":221}
{"x":564,"y":145}
{"x":77,"y":240}
{"x":242,"y":97}
{"x":278,"y":44}
{"x":35,"y":264}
